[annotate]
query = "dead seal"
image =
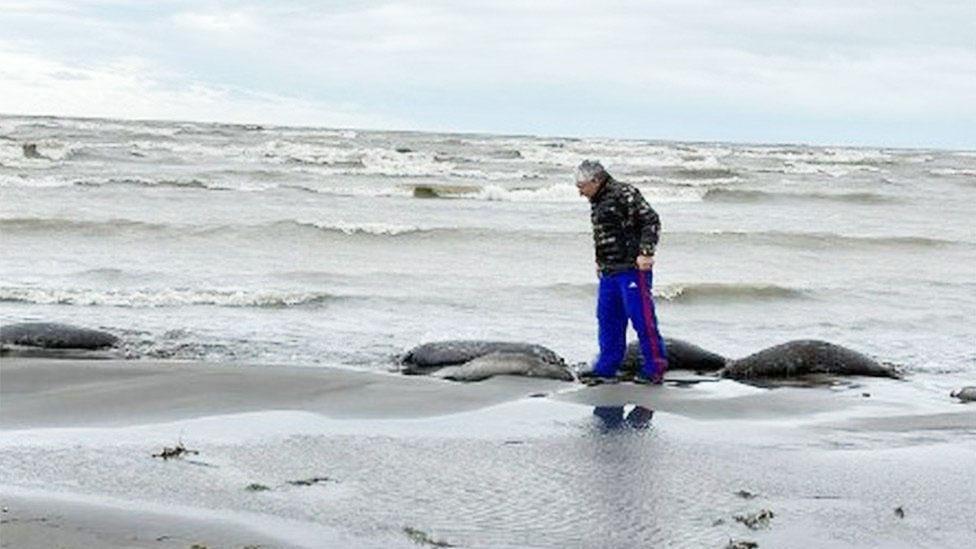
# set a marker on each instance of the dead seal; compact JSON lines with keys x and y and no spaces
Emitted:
{"x":966,"y":394}
{"x":682,"y":355}
{"x":501,"y":363}
{"x":52,"y":335}
{"x":806,"y":357}
{"x":429,"y":357}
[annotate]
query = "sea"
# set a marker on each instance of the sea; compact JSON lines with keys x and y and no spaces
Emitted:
{"x":244,"y":244}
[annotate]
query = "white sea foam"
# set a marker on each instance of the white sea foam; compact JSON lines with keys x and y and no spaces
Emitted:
{"x":351,"y":228}
{"x":819,"y":155}
{"x":968,"y":172}
{"x":164,"y":297}
{"x":552,"y":193}
{"x":566,"y":193}
{"x":35,"y":181}
{"x":619,"y":156}
{"x":833,"y":170}
{"x":50,"y":152}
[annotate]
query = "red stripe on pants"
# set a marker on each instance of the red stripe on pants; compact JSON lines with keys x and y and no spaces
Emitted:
{"x":649,"y":325}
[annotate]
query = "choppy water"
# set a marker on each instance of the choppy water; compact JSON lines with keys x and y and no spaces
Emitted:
{"x":317,"y":246}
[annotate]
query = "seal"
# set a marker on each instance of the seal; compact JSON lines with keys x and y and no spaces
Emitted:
{"x":429,"y":357}
{"x":682,"y":355}
{"x":805,"y":357}
{"x":966,"y":394}
{"x":505,"y":363}
{"x":775,"y":365}
{"x":51,"y":335}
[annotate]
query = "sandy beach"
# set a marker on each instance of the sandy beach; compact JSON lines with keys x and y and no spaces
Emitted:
{"x":405,"y":275}
{"x":323,"y":457}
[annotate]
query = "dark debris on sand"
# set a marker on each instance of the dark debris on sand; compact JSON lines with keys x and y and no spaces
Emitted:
{"x":311,"y":481}
{"x":756,"y":521}
{"x":175,"y":452}
{"x":423,"y":538}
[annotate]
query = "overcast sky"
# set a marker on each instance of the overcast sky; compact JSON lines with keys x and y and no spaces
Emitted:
{"x":895,"y":73}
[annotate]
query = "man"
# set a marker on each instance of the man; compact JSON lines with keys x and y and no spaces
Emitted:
{"x":625,"y":234}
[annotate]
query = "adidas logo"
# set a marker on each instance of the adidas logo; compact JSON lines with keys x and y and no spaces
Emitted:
{"x":632,"y":285}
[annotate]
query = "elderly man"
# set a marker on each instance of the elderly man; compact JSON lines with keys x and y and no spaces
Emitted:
{"x":625,"y":233}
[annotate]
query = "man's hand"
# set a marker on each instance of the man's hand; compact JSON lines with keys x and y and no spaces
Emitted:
{"x":645,"y":262}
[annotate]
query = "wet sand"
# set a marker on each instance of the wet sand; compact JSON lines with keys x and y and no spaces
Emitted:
{"x":43,"y":392}
{"x":478,"y":465}
{"x":35,"y":519}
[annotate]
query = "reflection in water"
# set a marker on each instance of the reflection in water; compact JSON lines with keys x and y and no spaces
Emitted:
{"x":612,"y":417}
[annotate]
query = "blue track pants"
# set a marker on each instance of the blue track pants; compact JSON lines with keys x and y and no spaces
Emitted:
{"x":622,"y":296}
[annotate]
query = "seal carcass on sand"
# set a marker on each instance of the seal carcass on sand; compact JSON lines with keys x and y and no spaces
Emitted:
{"x":474,"y":360}
{"x":505,"y":363}
{"x":51,"y":335}
{"x":681,"y":356}
{"x":430,"y":357}
{"x":803,"y":357}
{"x":966,"y":394}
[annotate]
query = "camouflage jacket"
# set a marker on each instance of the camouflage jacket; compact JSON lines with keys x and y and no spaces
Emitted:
{"x":624,"y":226}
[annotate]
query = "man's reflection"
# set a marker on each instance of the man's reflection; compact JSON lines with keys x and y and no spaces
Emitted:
{"x":612,"y":417}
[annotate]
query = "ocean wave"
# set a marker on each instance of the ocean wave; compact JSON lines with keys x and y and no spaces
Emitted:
{"x":356,"y":165}
{"x":551,"y":193}
{"x":191,"y":183}
{"x":374,"y":229}
{"x":686,"y":293}
{"x":811,"y":240}
{"x":167,"y":297}
{"x":51,"y":181}
{"x":345,"y":228}
{"x":557,"y":193}
{"x":388,"y":230}
{"x":717,"y":172}
{"x":285,"y":228}
{"x":809,"y":155}
{"x":622,"y":156}
{"x":55,"y":224}
{"x":489,"y":193}
{"x":32,"y":181}
{"x":720,"y":194}
{"x":36,"y":153}
{"x":953,"y":172}
{"x":722,"y":292}
{"x":816,"y":168}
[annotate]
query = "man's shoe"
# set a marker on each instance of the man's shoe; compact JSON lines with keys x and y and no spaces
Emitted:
{"x":592,"y":378}
{"x":641,"y":379}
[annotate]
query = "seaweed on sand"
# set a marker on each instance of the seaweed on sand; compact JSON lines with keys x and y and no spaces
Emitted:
{"x":755,"y":521}
{"x":423,"y":538}
{"x":175,"y":452}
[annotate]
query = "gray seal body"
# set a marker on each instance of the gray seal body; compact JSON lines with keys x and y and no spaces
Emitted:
{"x":804,"y":357}
{"x":50,"y":335}
{"x":505,"y":363}
{"x":966,"y":394}
{"x":681,"y":356}
{"x":430,"y":357}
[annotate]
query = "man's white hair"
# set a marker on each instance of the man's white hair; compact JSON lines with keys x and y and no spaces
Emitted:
{"x":589,"y":169}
